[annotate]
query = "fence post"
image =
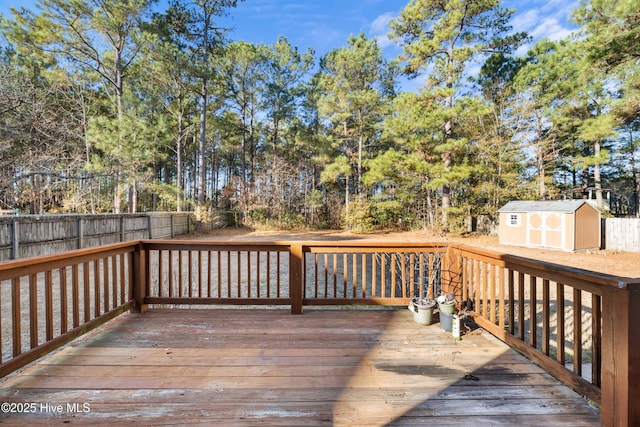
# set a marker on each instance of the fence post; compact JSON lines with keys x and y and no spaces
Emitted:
{"x":296,"y":266}
{"x":15,"y":239}
{"x":173,"y":234}
{"x":140,"y":260}
{"x":620,"y":356}
{"x":80,"y":233}
{"x":122,"y":234}
{"x":149,"y":226}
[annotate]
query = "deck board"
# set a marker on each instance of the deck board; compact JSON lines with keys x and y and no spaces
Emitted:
{"x":267,"y":367}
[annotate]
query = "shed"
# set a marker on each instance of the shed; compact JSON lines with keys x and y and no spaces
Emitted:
{"x":569,"y":225}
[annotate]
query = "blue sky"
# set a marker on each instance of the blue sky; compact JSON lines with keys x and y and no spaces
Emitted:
{"x":327,"y":24}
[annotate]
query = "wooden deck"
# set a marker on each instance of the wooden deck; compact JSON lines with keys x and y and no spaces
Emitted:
{"x":267,"y":367}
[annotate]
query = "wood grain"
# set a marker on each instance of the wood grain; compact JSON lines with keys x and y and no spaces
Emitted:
{"x":267,"y":367}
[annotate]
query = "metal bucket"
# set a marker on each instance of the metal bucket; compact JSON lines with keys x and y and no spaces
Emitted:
{"x":422,"y":310}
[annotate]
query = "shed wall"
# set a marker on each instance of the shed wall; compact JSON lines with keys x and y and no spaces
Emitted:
{"x":510,"y":234}
{"x":587,"y":228}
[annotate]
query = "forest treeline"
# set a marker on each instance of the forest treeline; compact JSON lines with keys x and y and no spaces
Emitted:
{"x":115,"y":106}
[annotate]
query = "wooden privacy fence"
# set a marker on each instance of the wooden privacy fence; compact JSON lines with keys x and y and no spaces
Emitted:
{"x":581,"y":326}
{"x":621,"y":234}
{"x":24,"y":236}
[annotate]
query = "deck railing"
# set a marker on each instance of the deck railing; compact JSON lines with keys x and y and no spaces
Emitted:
{"x":580,"y":326}
{"x":270,"y":273}
{"x":48,"y":301}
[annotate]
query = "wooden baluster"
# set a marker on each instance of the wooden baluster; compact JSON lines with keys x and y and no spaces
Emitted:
{"x":345,"y":275}
{"x":96,"y":288}
{"x":209,"y":273}
{"x":258,"y":268}
{"x":383,"y":275}
{"x":171,"y":280}
{"x":533,"y":311}
{"x":278,"y":281}
{"x":326,"y":275}
{"x":335,"y":274}
{"x":248,"y":274}
{"x":501,"y":297}
{"x":123,"y":282}
{"x":269,"y":274}
{"x":374,"y":275}
{"x":160,"y":273}
{"x":105,"y":272}
{"x":546,"y":315}
{"x":75,"y":294}
{"x":114,"y":283}
{"x":484,"y":274}
{"x":15,"y":316}
{"x":403,"y":276}
{"x":180,"y":274}
{"x":363,"y":281}
{"x":478,"y":287}
{"x":512,"y":309}
{"x":492,"y":293}
{"x":315,"y":275}
{"x":596,"y":339}
{"x":521,"y":319}
{"x":190,"y":272}
{"x":354,"y":276}
{"x":48,"y":296}
{"x":62,"y":275}
{"x":560,"y":357}
{"x":33,"y":310}
{"x":577,"y":331}
{"x":392,"y":260}
{"x":238,"y":274}
{"x":86,"y":276}
{"x":200,"y":275}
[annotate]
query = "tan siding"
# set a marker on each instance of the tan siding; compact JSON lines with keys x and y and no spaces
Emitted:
{"x":570,"y":231}
{"x":587,"y":228}
{"x":511,"y":235}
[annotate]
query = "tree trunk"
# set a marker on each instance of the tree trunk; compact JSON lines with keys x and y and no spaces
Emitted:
{"x":597,"y":181}
{"x":179,"y":165}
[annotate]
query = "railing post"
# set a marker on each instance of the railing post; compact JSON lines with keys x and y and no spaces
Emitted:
{"x":452,"y":273}
{"x":140,"y":259}
{"x":620,"y":357}
{"x":296,"y":265}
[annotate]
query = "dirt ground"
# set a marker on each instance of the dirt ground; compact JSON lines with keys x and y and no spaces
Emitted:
{"x":625,"y":264}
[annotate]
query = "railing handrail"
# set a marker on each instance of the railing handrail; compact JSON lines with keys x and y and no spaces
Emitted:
{"x":578,"y":275}
{"x":9,"y":269}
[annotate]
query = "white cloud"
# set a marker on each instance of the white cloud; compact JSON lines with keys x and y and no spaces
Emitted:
{"x":526,"y":21}
{"x":550,"y":29}
{"x":379,"y":29}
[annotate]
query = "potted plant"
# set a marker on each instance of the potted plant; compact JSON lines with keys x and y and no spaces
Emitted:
{"x":422,"y":309}
{"x":446,"y":309}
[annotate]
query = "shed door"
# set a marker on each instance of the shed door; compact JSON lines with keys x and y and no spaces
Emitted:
{"x":545,"y":229}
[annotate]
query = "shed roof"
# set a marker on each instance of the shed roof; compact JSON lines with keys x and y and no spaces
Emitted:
{"x":563,"y":206}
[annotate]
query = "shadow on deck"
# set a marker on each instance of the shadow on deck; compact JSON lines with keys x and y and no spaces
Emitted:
{"x":266,"y":367}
